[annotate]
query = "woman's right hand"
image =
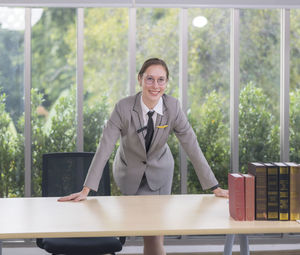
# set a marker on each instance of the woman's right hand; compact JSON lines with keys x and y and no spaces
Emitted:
{"x":76,"y":197}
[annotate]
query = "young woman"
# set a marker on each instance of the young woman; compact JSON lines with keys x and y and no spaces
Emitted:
{"x":143,"y":164}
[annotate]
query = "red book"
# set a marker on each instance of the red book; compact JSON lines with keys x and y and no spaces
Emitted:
{"x":236,"y":187}
{"x":249,"y":196}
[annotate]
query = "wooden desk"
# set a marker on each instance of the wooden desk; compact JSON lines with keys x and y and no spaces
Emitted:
{"x":127,"y":216}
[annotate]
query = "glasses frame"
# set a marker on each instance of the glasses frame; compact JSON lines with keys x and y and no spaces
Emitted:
{"x":147,"y":79}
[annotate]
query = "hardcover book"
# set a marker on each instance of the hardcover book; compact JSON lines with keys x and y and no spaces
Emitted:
{"x":284,"y":191}
{"x":294,"y":190}
{"x":236,"y":196}
{"x":249,"y":196}
{"x":259,"y":170}
{"x":272,"y":191}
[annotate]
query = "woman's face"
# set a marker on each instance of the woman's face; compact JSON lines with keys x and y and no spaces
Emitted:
{"x":153,"y":84}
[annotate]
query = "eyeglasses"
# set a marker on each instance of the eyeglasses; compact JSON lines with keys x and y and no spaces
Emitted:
{"x":149,"y":80}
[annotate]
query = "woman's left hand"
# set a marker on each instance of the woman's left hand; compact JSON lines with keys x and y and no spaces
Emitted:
{"x":221,"y":192}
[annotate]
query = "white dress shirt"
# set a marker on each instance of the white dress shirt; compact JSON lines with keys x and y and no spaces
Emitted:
{"x":158,"y":109}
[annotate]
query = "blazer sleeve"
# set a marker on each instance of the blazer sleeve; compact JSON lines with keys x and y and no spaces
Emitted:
{"x":188,"y":141}
{"x":110,"y":135}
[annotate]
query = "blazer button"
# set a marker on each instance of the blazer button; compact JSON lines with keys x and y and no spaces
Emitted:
{"x":144,"y":162}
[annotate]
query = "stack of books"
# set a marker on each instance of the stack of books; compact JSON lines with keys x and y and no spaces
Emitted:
{"x":270,"y":191}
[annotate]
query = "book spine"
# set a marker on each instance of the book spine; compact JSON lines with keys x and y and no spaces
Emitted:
{"x":272,"y":193}
{"x":249,"y":198}
{"x":294,"y":193}
{"x":261,"y":194}
{"x":236,"y":197}
{"x":284,"y":205}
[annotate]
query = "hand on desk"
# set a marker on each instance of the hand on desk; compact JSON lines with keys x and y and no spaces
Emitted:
{"x":76,"y":197}
{"x":221,"y":192}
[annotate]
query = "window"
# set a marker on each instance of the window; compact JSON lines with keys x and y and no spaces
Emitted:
{"x":106,"y":80}
{"x":105,"y":70}
{"x":11,"y":102}
{"x":295,"y":86}
{"x":208,"y":89}
{"x":260,"y":86}
{"x":53,"y":94}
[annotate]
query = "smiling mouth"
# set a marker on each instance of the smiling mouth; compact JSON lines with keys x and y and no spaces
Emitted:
{"x":152,"y":92}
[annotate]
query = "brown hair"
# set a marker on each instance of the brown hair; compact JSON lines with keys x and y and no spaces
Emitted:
{"x":152,"y":62}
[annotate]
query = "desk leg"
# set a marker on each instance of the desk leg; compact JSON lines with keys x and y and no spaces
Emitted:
{"x":244,"y":245}
{"x":228,"y":244}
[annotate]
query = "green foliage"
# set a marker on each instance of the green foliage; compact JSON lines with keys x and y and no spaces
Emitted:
{"x":295,"y":126}
{"x":58,"y":133}
{"x":209,"y":51}
{"x":258,"y":133}
{"x":11,"y":70}
{"x":260,"y":52}
{"x":38,"y":141}
{"x":94,"y":120}
{"x":105,"y":54}
{"x":8,"y":151}
{"x":212,"y":134}
{"x":157,"y":36}
{"x":51,"y":68}
{"x":294,"y":50}
{"x":62,"y":133}
{"x":174,"y":147}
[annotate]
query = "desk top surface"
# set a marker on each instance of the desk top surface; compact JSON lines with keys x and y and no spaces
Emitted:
{"x":127,"y":216}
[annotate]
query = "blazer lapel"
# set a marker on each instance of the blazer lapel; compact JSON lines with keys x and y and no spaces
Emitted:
{"x":137,"y":117}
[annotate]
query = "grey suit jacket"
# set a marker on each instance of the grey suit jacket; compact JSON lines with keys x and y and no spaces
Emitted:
{"x":132,"y":161}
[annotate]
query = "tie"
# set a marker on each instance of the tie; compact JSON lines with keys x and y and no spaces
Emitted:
{"x":150,"y":131}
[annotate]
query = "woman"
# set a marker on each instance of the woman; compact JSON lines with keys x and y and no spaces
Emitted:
{"x":143,"y":164}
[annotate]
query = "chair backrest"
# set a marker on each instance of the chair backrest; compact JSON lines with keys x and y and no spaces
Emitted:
{"x":64,"y":173}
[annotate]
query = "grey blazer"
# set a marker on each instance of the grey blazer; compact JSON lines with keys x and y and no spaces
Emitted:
{"x":131,"y":160}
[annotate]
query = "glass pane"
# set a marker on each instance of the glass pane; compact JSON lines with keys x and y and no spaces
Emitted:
{"x":208,"y":92}
{"x":105,"y":70}
{"x":295,"y":86}
{"x":53,"y":86}
{"x":260,"y":86}
{"x":158,"y":36}
{"x":12,"y":22}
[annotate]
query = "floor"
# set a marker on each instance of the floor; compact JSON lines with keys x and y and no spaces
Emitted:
{"x":279,"y":249}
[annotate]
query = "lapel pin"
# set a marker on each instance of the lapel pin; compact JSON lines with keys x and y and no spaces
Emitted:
{"x":164,"y":126}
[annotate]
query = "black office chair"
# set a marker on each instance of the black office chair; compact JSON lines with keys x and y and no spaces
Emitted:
{"x":63,"y":174}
